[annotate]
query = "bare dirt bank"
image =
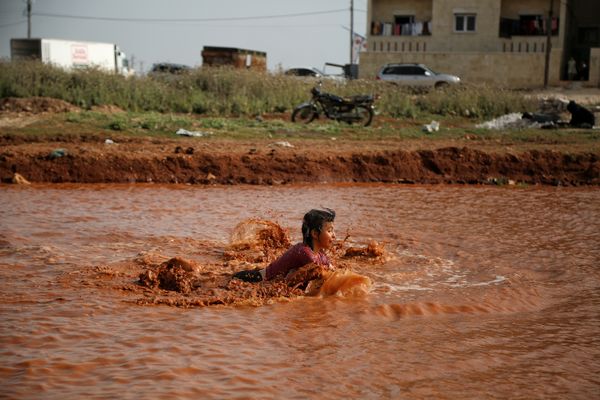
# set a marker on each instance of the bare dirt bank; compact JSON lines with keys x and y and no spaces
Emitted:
{"x":131,"y":160}
{"x":464,"y":158}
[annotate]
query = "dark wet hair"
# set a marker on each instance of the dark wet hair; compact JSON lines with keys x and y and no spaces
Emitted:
{"x":314,"y":220}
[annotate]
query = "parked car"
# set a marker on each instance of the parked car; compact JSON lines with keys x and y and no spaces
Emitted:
{"x":169,"y":68}
{"x":415,"y":75}
{"x":306,"y":72}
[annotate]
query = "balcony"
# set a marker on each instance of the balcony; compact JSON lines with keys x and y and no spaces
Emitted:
{"x":400,"y":37}
{"x":527,"y":25}
{"x":528,"y":34}
{"x":398,"y":44}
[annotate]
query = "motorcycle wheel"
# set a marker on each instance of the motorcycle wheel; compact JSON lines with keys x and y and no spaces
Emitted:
{"x":304,"y":115}
{"x":364,"y":115}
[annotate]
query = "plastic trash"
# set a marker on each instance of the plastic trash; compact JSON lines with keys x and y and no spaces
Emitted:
{"x":57,"y":153}
{"x":512,"y":120}
{"x":434,"y":126}
{"x":185,"y":132}
{"x":109,"y":141}
{"x":18,"y":179}
{"x":282,"y":144}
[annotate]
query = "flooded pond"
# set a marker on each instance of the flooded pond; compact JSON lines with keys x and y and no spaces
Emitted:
{"x":484,"y":292}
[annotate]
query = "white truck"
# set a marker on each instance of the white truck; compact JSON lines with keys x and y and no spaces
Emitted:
{"x":71,"y":54}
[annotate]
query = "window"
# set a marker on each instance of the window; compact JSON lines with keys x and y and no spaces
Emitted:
{"x":464,"y":23}
{"x":589,"y":36}
{"x":405,"y":70}
{"x":404,"y":19}
{"x":417,"y":71}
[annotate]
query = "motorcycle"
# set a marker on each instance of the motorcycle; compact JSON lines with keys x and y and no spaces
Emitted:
{"x":355,"y":109}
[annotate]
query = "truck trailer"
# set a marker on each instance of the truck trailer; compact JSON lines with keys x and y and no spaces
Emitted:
{"x":70,"y":55}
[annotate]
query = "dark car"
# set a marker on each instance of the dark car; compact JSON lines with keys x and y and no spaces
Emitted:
{"x":169,"y":68}
{"x":415,"y":75}
{"x":304,"y":72}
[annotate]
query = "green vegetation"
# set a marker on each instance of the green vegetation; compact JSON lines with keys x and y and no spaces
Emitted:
{"x":240,"y":93}
{"x":454,"y":131}
{"x":240,"y":104}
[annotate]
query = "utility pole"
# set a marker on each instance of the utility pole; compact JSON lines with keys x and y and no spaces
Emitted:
{"x":28,"y":19}
{"x":548,"y":43}
{"x":351,"y":32}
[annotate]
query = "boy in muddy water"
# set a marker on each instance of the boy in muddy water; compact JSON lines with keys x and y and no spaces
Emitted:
{"x":318,"y":235}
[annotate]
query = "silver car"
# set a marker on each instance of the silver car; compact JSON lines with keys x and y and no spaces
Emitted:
{"x":308,"y":72}
{"x":415,"y":75}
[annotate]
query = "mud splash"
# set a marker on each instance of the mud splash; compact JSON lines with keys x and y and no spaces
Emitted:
{"x":182,"y":282}
{"x":256,"y":240}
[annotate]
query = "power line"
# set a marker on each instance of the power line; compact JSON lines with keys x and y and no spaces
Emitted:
{"x":304,"y":14}
{"x":12,"y":23}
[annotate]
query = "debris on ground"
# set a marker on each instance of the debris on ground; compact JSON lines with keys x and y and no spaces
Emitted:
{"x":434,"y":126}
{"x":523,"y":121}
{"x":553,"y":105}
{"x":552,"y":114}
{"x":508,"y":121}
{"x":282,"y":144}
{"x":57,"y":153}
{"x":18,"y":179}
{"x":185,"y":132}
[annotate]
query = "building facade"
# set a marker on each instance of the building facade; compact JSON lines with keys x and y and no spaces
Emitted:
{"x":511,"y":43}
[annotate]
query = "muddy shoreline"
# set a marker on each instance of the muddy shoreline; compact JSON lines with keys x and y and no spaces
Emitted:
{"x":142,"y":160}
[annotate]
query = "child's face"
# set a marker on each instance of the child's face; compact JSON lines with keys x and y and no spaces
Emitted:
{"x":325,"y":238}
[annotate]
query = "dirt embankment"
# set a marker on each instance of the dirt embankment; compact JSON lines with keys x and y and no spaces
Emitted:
{"x":91,"y":159}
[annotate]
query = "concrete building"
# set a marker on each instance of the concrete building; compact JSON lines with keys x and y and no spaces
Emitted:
{"x":502,"y":42}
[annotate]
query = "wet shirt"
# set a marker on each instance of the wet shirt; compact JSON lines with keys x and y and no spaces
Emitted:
{"x":297,"y":256}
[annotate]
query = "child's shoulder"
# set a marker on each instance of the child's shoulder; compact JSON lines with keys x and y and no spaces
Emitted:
{"x":301,"y":249}
{"x":300,"y":246}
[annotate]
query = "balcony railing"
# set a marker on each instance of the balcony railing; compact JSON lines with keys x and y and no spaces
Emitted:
{"x":526,"y":44}
{"x":398,"y":44}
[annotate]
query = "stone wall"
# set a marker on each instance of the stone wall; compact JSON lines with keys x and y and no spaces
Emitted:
{"x":487,"y":25}
{"x":515,"y":70}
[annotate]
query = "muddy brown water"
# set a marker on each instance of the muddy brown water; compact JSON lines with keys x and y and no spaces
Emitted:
{"x":485,"y":292}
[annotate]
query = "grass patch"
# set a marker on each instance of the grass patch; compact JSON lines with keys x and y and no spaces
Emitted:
{"x":242,"y":93}
{"x":453,"y":131}
{"x":241,"y":104}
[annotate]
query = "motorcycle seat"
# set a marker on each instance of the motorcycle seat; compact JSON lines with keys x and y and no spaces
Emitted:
{"x":362,"y":98}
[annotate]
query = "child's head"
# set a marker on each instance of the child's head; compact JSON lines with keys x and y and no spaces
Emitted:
{"x":314,"y":221}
